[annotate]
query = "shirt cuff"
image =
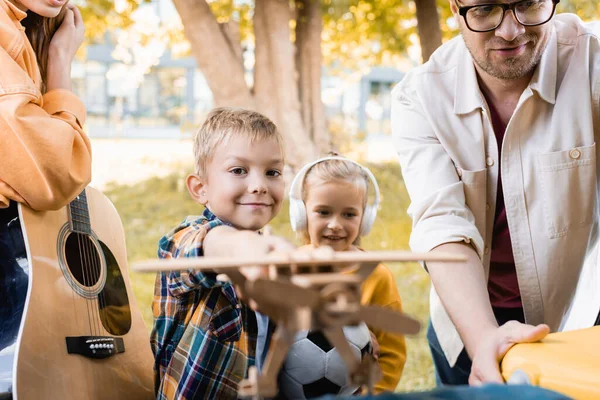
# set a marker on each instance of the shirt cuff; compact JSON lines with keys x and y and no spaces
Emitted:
{"x":432,"y":232}
{"x":62,"y":100}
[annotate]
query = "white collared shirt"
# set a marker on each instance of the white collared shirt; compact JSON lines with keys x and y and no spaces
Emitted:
{"x":449,"y":157}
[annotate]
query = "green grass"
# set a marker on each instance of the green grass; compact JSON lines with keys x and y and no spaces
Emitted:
{"x":151,"y":208}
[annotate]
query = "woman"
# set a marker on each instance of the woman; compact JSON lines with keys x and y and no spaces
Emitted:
{"x":45,"y":158}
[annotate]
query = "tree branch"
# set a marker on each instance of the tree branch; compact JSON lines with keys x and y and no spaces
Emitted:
{"x":216,"y":54}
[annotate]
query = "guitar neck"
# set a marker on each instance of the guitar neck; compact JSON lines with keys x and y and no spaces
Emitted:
{"x":79,"y":214}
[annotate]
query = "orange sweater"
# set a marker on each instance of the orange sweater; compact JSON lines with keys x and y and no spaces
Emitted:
{"x":45,"y":157}
{"x":380,"y":289}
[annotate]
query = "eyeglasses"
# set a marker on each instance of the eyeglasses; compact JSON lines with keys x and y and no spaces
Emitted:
{"x":487,"y":17}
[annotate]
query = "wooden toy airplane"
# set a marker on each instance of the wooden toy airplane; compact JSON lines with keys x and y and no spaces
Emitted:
{"x":317,"y":290}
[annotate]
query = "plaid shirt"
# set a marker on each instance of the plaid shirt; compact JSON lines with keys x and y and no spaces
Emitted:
{"x":204,"y":338}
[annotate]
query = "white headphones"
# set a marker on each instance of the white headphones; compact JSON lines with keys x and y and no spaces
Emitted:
{"x":298,"y":218}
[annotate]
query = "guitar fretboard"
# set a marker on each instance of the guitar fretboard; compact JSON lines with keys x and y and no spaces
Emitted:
{"x":80,"y":216}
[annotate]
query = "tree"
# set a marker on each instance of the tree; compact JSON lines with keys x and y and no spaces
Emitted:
{"x":268,"y":55}
{"x":428,"y":23}
{"x":275,"y":91}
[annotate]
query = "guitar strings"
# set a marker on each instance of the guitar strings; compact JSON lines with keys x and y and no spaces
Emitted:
{"x":83,"y":270}
{"x":96,"y":266}
{"x":90,"y":284}
{"x":92,"y":276}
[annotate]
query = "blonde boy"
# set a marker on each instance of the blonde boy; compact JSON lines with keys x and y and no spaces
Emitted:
{"x":204,"y":338}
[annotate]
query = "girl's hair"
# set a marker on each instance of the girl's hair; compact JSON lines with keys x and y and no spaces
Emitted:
{"x":39,"y":31}
{"x":335,"y":170}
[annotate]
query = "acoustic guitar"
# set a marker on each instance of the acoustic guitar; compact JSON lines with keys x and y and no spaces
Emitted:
{"x":76,"y":331}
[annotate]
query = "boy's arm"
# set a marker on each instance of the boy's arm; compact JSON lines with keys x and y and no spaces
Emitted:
{"x":227,"y":241}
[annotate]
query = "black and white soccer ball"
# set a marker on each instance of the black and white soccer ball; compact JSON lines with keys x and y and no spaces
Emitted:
{"x":314,"y":368}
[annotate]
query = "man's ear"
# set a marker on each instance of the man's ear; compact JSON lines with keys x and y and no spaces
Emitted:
{"x":453,"y":8}
{"x":197,"y":188}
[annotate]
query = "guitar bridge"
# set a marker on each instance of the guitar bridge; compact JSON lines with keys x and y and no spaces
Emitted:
{"x":95,"y":346}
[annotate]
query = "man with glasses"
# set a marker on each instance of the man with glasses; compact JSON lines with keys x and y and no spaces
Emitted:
{"x":496,"y":136}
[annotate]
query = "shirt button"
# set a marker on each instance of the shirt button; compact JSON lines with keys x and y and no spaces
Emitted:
{"x":487,"y":206}
{"x":486,"y":251}
{"x":575,"y":154}
{"x":459,"y":172}
{"x":489,"y":161}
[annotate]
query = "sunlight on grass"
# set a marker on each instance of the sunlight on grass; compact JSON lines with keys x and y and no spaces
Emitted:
{"x":151,"y":208}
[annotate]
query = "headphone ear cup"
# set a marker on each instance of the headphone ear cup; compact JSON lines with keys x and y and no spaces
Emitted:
{"x":368,"y":220}
{"x":297,"y":215}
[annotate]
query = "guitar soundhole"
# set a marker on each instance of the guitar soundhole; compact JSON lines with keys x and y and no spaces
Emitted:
{"x":82,"y":259}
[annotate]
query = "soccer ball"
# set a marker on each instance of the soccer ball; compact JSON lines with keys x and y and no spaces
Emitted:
{"x":314,"y":368}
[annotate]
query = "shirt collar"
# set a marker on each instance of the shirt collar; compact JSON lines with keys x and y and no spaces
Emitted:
{"x":467,"y":94}
{"x":544,"y":79}
{"x":18,"y":14}
{"x":209,"y":215}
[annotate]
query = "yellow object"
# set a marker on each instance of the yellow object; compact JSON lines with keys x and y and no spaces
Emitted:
{"x":380,"y":289}
{"x":566,"y":362}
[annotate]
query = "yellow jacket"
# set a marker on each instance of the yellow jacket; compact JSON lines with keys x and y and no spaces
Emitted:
{"x":45,"y":157}
{"x":380,"y":289}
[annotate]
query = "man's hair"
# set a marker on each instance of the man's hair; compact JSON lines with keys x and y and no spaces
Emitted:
{"x":223,"y":123}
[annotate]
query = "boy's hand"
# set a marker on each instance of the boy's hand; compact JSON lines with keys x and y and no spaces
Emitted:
{"x":257,"y":246}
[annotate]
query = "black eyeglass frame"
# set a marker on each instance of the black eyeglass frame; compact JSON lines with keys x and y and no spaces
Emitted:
{"x":462,"y":11}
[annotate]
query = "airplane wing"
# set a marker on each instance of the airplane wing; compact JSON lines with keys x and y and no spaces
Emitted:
{"x":301,"y":258}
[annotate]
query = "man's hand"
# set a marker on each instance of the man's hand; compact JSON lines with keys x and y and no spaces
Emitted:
{"x":492,"y":349}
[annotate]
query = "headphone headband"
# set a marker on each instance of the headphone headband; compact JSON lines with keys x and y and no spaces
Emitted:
{"x":296,"y":201}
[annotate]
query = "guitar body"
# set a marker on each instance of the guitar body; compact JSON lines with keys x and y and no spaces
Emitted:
{"x":81,"y":335}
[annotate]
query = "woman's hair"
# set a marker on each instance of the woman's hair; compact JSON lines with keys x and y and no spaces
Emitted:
{"x":39,"y":31}
{"x":335,"y":170}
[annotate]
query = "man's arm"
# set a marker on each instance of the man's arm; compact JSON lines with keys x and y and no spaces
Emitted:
{"x":443,"y":222}
{"x":463,"y":291}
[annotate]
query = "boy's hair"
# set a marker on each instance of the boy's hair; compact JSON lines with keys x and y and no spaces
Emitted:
{"x":223,"y":123}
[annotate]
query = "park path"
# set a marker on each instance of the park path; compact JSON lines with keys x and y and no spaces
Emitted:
{"x":128,"y":161}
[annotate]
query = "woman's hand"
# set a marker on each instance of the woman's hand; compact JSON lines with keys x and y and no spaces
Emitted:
{"x":63,"y":47}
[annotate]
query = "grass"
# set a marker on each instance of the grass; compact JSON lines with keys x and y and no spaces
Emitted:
{"x":151,"y":208}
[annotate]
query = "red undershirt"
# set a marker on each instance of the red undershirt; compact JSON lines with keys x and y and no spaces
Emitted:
{"x":503,"y":286}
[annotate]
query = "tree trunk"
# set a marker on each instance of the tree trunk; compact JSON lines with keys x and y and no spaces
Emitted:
{"x":275,"y":79}
{"x":216,"y":53}
{"x":309,"y":25}
{"x":430,"y":34}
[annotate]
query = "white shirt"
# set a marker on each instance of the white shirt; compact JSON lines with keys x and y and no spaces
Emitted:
{"x":449,"y":158}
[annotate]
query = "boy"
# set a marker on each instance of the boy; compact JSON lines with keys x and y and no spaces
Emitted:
{"x":204,"y":339}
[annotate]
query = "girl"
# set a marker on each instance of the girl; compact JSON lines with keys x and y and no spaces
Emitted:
{"x":329,"y":206}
